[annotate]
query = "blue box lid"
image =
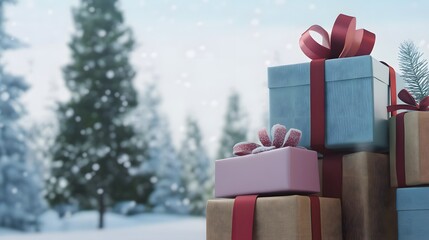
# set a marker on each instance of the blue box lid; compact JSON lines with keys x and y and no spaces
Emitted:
{"x":415,"y":198}
{"x":336,"y":70}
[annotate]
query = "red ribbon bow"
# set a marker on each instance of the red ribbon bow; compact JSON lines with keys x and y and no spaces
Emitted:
{"x":345,"y":40}
{"x":411,"y":103}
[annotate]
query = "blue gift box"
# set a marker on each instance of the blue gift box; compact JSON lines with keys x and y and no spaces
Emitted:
{"x":356,"y":96}
{"x":413,"y":213}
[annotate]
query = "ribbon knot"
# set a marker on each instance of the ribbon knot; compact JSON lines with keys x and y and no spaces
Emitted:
{"x":345,"y":40}
{"x":411,"y":103}
{"x":281,"y":138}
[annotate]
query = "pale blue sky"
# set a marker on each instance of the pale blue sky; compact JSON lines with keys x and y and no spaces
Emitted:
{"x":203,"y":48}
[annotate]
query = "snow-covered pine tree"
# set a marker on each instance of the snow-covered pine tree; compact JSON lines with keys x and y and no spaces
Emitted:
{"x":161,"y":162}
{"x":235,"y":127}
{"x":21,"y":185}
{"x":94,"y":152}
{"x":414,"y":70}
{"x":196,"y":169}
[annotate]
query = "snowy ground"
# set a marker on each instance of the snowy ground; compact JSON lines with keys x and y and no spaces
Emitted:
{"x":82,"y":226}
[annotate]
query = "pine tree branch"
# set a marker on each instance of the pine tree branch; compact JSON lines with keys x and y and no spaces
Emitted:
{"x":414,"y":69}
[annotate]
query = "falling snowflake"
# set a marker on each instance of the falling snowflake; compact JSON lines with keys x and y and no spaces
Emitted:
{"x":190,"y":54}
{"x":254,"y":22}
{"x":95,"y":167}
{"x":75,"y":169}
{"x":101,"y":33}
{"x":153,"y":179}
{"x":5,"y":96}
{"x":88,"y":176}
{"x":62,"y":183}
{"x":174,"y":187}
{"x":97,"y":126}
{"x":110,"y":74}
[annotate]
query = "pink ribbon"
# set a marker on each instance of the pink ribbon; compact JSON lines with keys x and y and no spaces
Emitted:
{"x":281,"y":138}
{"x":345,"y":40}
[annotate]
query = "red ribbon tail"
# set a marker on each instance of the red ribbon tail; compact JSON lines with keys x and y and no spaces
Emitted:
{"x":394,"y":108}
{"x":400,"y":153}
{"x":242,"y":217}
{"x":316,"y":225}
{"x":332,"y":175}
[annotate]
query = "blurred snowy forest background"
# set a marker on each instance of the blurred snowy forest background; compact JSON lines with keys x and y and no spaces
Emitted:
{"x":114,"y":111}
{"x":108,"y":147}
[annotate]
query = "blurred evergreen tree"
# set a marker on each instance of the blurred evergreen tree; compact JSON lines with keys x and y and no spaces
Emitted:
{"x":235,"y":127}
{"x":161,"y":162}
{"x":196,"y":169}
{"x":94,"y":152}
{"x":21,"y":182}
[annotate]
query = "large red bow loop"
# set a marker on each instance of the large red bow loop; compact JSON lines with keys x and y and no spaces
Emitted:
{"x":345,"y":40}
{"x":411,"y":103}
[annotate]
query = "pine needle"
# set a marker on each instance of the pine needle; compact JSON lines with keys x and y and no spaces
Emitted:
{"x":414,"y":70}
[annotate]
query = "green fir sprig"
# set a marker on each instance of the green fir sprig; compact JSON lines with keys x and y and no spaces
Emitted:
{"x":414,"y":69}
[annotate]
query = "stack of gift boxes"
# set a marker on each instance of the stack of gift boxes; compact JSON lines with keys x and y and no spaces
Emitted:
{"x":409,"y":166}
{"x":344,"y":187}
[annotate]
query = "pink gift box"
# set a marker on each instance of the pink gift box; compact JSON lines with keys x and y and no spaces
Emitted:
{"x":284,"y":170}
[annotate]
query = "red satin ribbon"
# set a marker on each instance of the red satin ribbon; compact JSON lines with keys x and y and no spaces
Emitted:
{"x":316,"y":223}
{"x":392,"y":84}
{"x":243,"y":213}
{"x":242,"y":217}
{"x":411,"y":104}
{"x":332,"y":175}
{"x":345,"y":40}
{"x":317,"y":105}
{"x":400,"y":151}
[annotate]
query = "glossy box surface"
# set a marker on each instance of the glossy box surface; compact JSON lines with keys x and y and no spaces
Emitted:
{"x":284,"y":170}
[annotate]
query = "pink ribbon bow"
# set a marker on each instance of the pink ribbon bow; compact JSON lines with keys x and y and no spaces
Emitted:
{"x":411,"y":103}
{"x":345,"y":40}
{"x":281,"y":138}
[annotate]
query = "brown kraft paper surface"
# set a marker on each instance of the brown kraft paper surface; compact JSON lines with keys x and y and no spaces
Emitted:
{"x":276,"y":218}
{"x":424,"y":146}
{"x":416,"y":149}
{"x":368,"y":200}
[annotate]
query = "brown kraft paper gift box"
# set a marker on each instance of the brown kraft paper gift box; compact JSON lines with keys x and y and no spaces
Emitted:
{"x":277,"y":218}
{"x":416,"y":149}
{"x":368,"y":202}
